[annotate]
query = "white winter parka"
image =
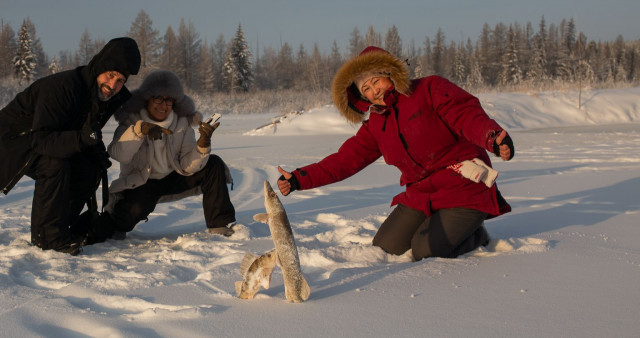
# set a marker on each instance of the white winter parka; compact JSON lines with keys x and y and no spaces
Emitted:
{"x":135,"y":154}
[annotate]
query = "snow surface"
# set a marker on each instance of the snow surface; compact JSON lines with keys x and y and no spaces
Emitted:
{"x":564,"y":263}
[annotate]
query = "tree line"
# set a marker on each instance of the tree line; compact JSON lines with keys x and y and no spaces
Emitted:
{"x":510,"y":56}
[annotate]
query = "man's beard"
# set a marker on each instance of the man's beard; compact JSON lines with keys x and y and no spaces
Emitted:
{"x":103,"y":96}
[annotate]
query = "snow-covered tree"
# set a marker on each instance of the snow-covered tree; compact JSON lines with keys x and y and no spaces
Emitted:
{"x":54,"y":67}
{"x":238,"y":74}
{"x":24,"y":61}
{"x":146,"y":36}
{"x":460,"y":70}
{"x":413,"y":54}
{"x":511,"y":73}
{"x":41,"y":58}
{"x":537,"y":71}
{"x":475,"y":80}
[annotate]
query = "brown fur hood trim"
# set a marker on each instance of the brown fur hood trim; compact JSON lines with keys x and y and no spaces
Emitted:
{"x":346,"y":96}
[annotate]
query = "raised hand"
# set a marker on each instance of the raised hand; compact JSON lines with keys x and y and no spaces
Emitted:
{"x":206,"y":131}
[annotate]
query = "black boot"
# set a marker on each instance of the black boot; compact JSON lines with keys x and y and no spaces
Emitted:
{"x":94,"y":226}
{"x":101,"y":228}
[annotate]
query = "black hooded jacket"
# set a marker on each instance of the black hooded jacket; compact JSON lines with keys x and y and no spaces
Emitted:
{"x":46,"y":118}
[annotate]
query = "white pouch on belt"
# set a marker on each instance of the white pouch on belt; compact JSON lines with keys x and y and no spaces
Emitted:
{"x":476,"y":170}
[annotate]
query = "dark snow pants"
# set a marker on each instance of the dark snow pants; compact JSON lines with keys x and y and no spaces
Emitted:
{"x":62,"y":188}
{"x":136,"y":204}
{"x":447,"y":233}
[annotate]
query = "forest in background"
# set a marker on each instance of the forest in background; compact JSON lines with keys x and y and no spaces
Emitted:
{"x":227,"y":76}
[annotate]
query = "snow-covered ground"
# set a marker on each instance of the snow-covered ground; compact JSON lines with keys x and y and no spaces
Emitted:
{"x":564,"y":263}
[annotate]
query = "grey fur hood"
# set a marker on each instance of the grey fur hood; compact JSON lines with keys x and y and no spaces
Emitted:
{"x":160,"y":82}
{"x":346,"y":95}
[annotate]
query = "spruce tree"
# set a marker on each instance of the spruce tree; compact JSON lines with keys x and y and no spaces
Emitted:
{"x":238,"y":74}
{"x":54,"y":67}
{"x":511,"y":73}
{"x":24,"y":61}
{"x":41,"y":58}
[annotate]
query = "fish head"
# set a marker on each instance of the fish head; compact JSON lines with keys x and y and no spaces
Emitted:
{"x":267,"y":262}
{"x":268,"y":259}
{"x":271,"y":200}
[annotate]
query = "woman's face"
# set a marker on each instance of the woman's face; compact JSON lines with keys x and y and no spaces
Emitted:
{"x":159,"y":107}
{"x":375,"y":88}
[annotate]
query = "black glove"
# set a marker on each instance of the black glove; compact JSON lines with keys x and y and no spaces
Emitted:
{"x":88,"y":134}
{"x":154,"y":131}
{"x":295,"y":185}
{"x":508,"y":141}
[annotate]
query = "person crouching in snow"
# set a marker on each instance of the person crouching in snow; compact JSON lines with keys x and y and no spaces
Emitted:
{"x":436,"y":134}
{"x":161,"y":161}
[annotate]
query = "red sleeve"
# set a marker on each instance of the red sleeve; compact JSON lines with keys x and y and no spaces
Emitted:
{"x":354,"y":155}
{"x":463,"y":113}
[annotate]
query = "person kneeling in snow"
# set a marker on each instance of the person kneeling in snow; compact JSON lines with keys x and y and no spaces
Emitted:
{"x":436,"y":134}
{"x":161,"y":161}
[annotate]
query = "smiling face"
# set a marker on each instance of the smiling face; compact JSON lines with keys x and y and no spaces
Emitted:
{"x":109,"y":84}
{"x":159,"y":107}
{"x":374,"y":89}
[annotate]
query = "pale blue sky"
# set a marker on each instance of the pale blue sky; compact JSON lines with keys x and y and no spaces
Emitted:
{"x":60,"y":23}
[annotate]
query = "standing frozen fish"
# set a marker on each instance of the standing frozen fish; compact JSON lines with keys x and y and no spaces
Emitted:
{"x":295,"y":285}
{"x":256,"y":272}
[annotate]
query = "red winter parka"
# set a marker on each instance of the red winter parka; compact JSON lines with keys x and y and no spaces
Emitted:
{"x":427,"y":125}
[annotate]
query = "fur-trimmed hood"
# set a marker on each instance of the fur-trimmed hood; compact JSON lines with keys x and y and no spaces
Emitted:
{"x":159,"y":83}
{"x":346,"y":96}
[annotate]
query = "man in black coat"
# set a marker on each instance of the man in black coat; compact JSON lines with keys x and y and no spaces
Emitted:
{"x":51,"y":132}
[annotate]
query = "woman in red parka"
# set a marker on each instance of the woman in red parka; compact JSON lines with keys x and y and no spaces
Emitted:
{"x":436,"y":134}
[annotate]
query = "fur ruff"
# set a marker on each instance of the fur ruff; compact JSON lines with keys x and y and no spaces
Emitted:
{"x":160,"y":82}
{"x":378,"y":61}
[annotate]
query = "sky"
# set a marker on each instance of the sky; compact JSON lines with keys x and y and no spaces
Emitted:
{"x":565,"y":262}
{"x":60,"y":24}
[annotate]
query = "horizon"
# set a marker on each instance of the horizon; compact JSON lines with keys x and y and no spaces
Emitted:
{"x":306,"y":21}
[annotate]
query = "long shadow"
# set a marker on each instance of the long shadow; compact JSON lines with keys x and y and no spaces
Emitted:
{"x":510,"y":175}
{"x":349,"y":279}
{"x":595,"y":206}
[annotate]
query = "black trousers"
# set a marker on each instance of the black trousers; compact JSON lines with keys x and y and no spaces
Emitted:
{"x":136,"y":204}
{"x":447,"y":233}
{"x":63,"y":186}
